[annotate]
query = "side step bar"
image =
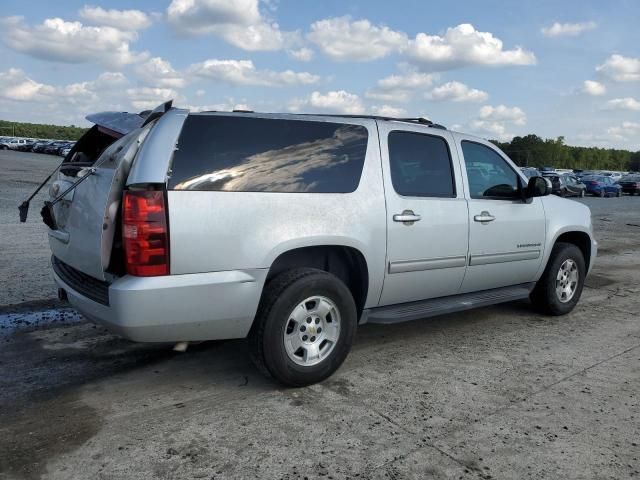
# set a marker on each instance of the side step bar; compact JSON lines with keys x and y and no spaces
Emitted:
{"x":405,"y":312}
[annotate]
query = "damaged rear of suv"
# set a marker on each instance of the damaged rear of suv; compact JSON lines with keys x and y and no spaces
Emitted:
{"x":291,"y":230}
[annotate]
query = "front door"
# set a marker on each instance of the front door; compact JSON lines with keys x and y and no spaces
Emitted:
{"x":427,"y":216}
{"x":506,"y":234}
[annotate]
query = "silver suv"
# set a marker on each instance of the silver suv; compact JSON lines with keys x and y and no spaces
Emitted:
{"x":291,"y":230}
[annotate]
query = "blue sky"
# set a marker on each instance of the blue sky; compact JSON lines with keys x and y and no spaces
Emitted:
{"x":495,"y":68}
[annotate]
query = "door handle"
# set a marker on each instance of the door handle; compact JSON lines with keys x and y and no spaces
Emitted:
{"x":407,"y":217}
{"x":484,"y":217}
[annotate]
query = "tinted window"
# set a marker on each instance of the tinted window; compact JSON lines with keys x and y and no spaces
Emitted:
{"x":245,"y":154}
{"x":420,"y":165}
{"x":489,"y":175}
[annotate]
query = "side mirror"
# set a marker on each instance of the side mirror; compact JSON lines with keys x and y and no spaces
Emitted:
{"x":538,"y":187}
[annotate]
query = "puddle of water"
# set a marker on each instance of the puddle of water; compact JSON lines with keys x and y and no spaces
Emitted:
{"x":12,"y":322}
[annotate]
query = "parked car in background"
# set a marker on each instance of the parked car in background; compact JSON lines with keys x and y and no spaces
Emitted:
{"x":13,"y":143}
{"x":565,"y":185}
{"x":531,"y":172}
{"x":65,"y":150}
{"x":601,"y":186}
{"x":39,"y":146}
{"x":26,"y":146}
{"x":54,"y":148}
{"x":630,"y":184}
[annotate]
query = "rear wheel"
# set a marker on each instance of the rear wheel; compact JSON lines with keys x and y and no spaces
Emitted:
{"x":560,"y":286}
{"x":304,"y":328}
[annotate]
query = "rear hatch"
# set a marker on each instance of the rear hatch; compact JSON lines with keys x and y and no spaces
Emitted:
{"x":87,"y":218}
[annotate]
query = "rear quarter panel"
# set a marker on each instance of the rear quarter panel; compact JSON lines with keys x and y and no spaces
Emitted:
{"x":217,"y":231}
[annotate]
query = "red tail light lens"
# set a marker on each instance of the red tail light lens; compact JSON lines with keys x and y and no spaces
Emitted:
{"x":593,"y":182}
{"x":145,"y":234}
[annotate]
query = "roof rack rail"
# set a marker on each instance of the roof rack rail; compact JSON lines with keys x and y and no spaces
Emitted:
{"x":420,"y":120}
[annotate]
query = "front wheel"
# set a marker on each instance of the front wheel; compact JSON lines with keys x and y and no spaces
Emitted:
{"x":304,"y":327}
{"x":560,"y":286}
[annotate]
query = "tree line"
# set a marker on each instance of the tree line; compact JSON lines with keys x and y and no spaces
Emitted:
{"x":36,"y":130}
{"x":533,"y":151}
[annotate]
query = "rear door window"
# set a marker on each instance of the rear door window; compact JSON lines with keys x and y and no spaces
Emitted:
{"x":420,"y":165}
{"x":248,"y":154}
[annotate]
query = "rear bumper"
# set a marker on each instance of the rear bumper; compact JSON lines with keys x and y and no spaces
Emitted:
{"x":200,"y":306}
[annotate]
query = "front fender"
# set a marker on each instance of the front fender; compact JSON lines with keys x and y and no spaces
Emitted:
{"x":566,"y":216}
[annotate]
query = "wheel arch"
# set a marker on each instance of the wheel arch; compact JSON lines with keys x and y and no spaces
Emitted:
{"x":580,"y":238}
{"x":346,"y":262}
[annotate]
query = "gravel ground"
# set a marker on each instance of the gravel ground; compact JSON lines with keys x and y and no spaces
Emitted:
{"x":499,"y":392}
{"x":24,"y":256}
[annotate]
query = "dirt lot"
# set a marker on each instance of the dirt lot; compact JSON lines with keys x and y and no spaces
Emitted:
{"x":500,"y":392}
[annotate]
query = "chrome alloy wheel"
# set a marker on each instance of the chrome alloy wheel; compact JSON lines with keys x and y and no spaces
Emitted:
{"x":312,"y":331}
{"x":567,"y":280}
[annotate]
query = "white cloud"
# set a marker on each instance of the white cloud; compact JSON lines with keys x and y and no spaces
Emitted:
{"x":627,"y":103}
{"x":243,"y":72}
{"x":628,"y":132}
{"x":400,"y":88}
{"x":500,"y":113}
{"x":120,"y":19}
{"x":15,"y":85}
{"x":70,"y":42}
{"x":495,"y":122}
{"x":620,"y":68}
{"x":239,"y":22}
{"x":338,"y":101}
{"x":457,"y":92}
{"x":491,"y":130}
{"x":147,"y":98}
{"x":567,"y":29}
{"x":227,"y":106}
{"x":388,"y":111}
{"x":158,"y":72}
{"x":303,"y":54}
{"x":359,"y":40}
{"x":464,"y":46}
{"x":31,"y":100}
{"x":591,"y":87}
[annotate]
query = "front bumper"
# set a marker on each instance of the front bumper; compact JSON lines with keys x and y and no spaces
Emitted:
{"x":173,"y":308}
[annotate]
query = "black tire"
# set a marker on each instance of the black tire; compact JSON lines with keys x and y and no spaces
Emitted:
{"x":602,"y":193}
{"x":563,"y":193}
{"x":279,"y":298}
{"x":544,"y":297}
{"x":618,"y":193}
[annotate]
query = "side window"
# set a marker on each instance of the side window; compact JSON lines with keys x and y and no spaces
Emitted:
{"x":420,"y":165}
{"x":489,"y":175}
{"x":250,"y":154}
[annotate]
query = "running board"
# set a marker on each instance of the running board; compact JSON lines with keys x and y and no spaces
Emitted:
{"x":405,"y":312}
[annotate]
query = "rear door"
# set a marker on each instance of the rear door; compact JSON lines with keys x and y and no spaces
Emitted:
{"x":427,"y":216}
{"x":506,"y":235}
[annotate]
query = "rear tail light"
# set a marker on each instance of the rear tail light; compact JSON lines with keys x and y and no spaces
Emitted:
{"x":145,"y":234}
{"x":593,"y":182}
